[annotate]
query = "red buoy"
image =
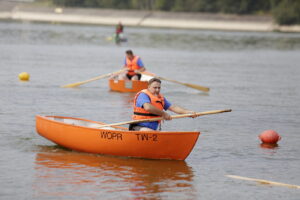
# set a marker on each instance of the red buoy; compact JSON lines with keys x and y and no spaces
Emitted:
{"x":269,"y":136}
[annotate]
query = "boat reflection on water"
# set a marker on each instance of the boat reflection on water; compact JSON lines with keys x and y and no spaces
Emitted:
{"x":76,"y":175}
{"x":127,"y":99}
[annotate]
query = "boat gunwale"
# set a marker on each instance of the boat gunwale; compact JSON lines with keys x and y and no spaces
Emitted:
{"x":125,"y":130}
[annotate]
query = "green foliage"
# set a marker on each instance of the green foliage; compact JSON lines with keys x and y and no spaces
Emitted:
{"x":119,"y":4}
{"x":163,"y":5}
{"x":142,"y":4}
{"x":287,"y":12}
{"x":195,"y":6}
{"x":243,"y":6}
{"x":71,"y":3}
{"x":284,"y":11}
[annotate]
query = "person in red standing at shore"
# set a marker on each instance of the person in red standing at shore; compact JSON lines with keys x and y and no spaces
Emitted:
{"x":133,"y":65}
{"x":119,"y":28}
{"x":119,"y":32}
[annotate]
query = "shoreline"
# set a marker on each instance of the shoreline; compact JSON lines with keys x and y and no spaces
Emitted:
{"x":158,"y":19}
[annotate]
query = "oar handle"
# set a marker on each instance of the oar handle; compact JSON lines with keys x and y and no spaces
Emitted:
{"x":197,"y":87}
{"x":160,"y":118}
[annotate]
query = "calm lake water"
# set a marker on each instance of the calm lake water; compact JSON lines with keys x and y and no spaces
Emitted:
{"x":257,"y":75}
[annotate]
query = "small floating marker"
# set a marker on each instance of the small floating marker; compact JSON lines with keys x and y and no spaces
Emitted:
{"x":24,"y":76}
{"x":269,"y":137}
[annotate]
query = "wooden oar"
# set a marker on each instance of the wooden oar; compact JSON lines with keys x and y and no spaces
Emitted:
{"x":262,"y":181}
{"x":197,"y":87}
{"x":93,"y":79}
{"x":160,"y":118}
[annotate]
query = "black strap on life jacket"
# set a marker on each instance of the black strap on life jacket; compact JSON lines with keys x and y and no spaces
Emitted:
{"x":145,"y":114}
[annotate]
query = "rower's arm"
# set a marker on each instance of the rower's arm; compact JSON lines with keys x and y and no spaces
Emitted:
{"x":152,"y":109}
{"x":142,"y":69}
{"x":180,"y":110}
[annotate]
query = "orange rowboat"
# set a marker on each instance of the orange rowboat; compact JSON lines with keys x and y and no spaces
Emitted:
{"x":132,"y":85}
{"x":127,"y":86}
{"x":82,"y":135}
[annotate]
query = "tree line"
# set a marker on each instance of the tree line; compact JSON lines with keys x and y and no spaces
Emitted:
{"x":285,"y":12}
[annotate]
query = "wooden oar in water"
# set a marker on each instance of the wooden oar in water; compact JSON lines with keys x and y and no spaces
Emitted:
{"x":160,"y":118}
{"x":197,"y":87}
{"x":93,"y":79}
{"x":262,"y":181}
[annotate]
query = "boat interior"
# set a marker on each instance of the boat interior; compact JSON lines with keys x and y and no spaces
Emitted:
{"x":78,"y":122}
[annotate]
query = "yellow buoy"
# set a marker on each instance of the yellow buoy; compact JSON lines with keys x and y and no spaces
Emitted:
{"x":24,"y":76}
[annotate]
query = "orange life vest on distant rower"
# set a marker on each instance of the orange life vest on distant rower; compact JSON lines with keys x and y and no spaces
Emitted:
{"x":141,"y":113}
{"x":132,"y":65}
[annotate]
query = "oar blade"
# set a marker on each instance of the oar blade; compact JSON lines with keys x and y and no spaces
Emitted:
{"x":72,"y":85}
{"x":197,"y":87}
{"x":262,"y":181}
{"x":87,"y":81}
{"x":78,"y":83}
{"x":93,"y":79}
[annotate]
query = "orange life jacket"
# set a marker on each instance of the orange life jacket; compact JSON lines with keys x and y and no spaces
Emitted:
{"x":132,"y":65}
{"x":141,"y":113}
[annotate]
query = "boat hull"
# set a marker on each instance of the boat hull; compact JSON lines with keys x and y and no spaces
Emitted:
{"x":81,"y":135}
{"x":127,"y":86}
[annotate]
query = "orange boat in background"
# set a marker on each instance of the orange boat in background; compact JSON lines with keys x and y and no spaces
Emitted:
{"x":84,"y":136}
{"x":132,"y":85}
{"x":127,"y":86}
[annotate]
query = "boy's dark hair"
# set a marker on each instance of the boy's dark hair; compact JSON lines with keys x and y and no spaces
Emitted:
{"x":129,"y":52}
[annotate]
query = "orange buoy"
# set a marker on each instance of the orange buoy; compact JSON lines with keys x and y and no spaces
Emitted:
{"x":269,"y":136}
